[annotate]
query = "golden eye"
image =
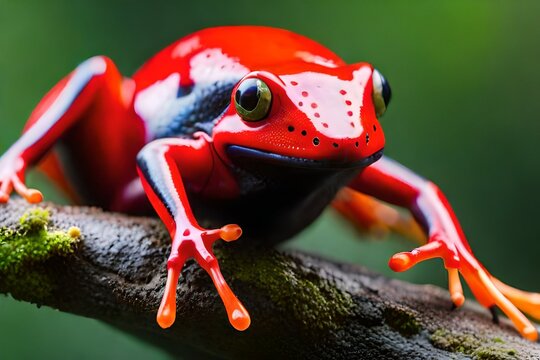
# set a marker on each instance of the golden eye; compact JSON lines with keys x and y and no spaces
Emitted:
{"x":252,"y":99}
{"x":381,"y":93}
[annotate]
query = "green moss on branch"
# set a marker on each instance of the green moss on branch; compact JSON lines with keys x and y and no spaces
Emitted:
{"x":310,"y":299}
{"x":402,"y":320}
{"x":24,"y":248}
{"x":473,"y":345}
{"x":302,"y":306}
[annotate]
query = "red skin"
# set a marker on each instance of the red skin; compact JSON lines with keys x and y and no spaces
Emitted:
{"x":105,"y":120}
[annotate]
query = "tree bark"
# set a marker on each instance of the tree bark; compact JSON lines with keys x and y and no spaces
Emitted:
{"x":301,"y":306}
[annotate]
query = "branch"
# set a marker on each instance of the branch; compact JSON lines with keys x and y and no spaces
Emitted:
{"x":301,"y":306}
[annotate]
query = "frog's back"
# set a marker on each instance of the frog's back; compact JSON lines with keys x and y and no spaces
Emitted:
{"x":187,"y":86}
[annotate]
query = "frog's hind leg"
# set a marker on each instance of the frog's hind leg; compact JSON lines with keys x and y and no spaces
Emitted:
{"x":371,"y":215}
{"x":89,"y":114}
{"x":376,"y":218}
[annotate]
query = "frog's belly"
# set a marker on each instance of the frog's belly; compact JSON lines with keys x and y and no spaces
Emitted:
{"x":274,"y":214}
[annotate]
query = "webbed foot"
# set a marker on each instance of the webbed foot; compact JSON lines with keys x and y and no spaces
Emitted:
{"x":489,"y":292}
{"x":12,"y":178}
{"x":197,"y":243}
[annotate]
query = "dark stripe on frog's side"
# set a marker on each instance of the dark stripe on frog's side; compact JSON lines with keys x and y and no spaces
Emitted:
{"x":202,"y":106}
{"x":150,"y":166}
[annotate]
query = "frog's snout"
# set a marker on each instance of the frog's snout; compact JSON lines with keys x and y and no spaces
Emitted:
{"x":336,"y":149}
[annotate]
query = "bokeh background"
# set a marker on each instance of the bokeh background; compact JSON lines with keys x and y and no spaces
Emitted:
{"x":465,"y":113}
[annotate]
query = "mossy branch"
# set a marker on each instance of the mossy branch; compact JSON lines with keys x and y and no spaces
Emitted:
{"x":112,"y":267}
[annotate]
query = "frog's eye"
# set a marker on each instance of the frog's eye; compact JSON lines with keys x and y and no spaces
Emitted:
{"x":252,"y":99}
{"x":381,"y":93}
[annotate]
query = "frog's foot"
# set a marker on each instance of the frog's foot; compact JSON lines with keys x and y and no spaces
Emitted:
{"x":488,"y":291}
{"x":198,"y":244}
{"x":11,"y":182}
{"x":528,"y":302}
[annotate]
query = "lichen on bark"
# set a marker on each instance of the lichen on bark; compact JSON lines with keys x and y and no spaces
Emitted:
{"x":26,"y":247}
{"x":475,"y":345}
{"x":316,"y":302}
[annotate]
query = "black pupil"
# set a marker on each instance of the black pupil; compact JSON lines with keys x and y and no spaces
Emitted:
{"x":247,"y":95}
{"x":386,"y":91}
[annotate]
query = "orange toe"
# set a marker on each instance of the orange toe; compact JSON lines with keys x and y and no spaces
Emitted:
{"x":166,"y":315}
{"x":400,"y":262}
{"x":236,"y":312}
{"x":239,"y":318}
{"x":34,"y":196}
{"x":230,"y":232}
{"x":530,"y":333}
{"x":455,"y":288}
{"x":167,"y":309}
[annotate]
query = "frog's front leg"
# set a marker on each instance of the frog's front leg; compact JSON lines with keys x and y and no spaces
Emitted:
{"x":92,"y":95}
{"x":166,"y":167}
{"x":395,"y":184}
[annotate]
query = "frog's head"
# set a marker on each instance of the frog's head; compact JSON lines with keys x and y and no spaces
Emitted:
{"x":320,"y":118}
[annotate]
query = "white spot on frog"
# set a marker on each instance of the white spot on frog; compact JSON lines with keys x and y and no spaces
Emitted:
{"x":159,"y":103}
{"x":213,"y":65}
{"x":331,"y":115}
{"x":315,"y":59}
{"x":187,"y":46}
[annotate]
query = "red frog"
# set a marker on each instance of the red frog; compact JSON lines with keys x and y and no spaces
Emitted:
{"x":250,"y":125}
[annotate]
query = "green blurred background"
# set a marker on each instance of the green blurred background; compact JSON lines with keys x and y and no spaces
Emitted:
{"x":465,"y":113}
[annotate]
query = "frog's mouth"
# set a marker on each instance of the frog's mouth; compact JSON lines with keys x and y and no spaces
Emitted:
{"x":243,"y":154}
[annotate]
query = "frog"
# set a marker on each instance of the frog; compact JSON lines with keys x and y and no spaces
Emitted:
{"x":243,"y":130}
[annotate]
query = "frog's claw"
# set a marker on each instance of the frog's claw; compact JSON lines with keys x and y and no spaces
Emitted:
{"x":488,"y":291}
{"x":527,"y":302}
{"x":198,"y":244}
{"x":166,"y":314}
{"x":455,"y":288}
{"x":436,"y":248}
{"x":237,"y":313}
{"x":11,"y":182}
{"x":488,"y":295}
